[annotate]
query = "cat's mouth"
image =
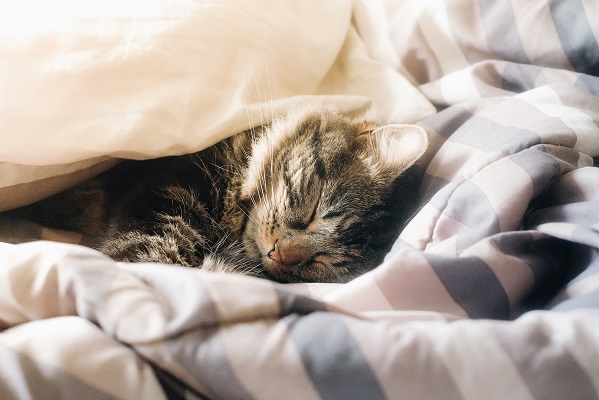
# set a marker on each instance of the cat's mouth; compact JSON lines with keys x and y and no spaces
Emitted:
{"x":314,"y":270}
{"x":283,"y":272}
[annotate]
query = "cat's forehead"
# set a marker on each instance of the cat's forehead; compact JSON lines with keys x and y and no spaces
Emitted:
{"x":319,"y":123}
{"x":307,"y":136}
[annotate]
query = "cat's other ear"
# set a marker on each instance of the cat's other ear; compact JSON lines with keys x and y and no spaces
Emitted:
{"x":391,"y":149}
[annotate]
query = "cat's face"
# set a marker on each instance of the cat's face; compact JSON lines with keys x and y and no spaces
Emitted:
{"x":319,"y":194}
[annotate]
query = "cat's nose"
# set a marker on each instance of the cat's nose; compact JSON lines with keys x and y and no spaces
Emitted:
{"x":288,"y":254}
{"x":275,"y":254}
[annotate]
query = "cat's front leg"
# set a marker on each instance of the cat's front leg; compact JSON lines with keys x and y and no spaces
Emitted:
{"x":170,"y":240}
{"x":173,"y":241}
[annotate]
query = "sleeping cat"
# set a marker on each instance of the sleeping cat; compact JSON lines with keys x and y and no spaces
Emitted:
{"x":316,"y":196}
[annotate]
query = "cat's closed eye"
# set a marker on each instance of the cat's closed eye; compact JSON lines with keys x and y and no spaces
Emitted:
{"x":306,"y":219}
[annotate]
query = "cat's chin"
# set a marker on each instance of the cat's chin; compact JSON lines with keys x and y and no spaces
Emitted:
{"x":282,"y":273}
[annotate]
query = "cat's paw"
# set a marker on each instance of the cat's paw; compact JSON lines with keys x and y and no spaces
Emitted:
{"x":170,"y":241}
{"x":232,"y":258}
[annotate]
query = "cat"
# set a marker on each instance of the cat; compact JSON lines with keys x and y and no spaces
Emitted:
{"x":316,"y":196}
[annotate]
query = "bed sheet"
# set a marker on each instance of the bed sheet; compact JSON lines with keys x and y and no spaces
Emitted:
{"x":492,"y":290}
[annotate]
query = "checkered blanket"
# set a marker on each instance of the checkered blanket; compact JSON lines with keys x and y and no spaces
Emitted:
{"x":491,"y":291}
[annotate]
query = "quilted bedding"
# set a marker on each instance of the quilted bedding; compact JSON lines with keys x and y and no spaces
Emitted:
{"x":491,"y":291}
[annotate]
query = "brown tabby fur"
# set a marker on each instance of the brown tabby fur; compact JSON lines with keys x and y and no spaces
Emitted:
{"x":316,"y":196}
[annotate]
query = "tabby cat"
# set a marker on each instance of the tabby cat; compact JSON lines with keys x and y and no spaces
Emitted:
{"x":317,"y":196}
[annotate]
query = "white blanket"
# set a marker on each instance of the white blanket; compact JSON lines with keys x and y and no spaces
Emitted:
{"x":83,"y":80}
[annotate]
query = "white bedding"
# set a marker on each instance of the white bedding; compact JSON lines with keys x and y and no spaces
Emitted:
{"x":82,"y":80}
{"x":491,"y":292}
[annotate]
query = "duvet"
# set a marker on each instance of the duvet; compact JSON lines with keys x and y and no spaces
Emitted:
{"x":491,"y":291}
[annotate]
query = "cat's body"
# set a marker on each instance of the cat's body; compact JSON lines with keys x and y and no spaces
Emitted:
{"x":316,"y":196}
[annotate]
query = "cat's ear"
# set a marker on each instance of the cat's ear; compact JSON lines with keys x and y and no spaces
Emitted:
{"x":391,"y":149}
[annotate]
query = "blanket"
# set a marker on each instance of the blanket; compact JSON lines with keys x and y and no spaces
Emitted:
{"x":83,"y":82}
{"x":491,"y":291}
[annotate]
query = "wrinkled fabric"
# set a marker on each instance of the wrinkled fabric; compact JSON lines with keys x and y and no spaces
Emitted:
{"x":85,"y":81}
{"x":491,"y":291}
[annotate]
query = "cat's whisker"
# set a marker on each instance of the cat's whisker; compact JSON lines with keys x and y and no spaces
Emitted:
{"x":251,"y":218}
{"x":270,"y":100}
{"x":262,"y":190}
{"x":250,"y":117}
{"x":247,"y":212}
{"x":253,"y":132}
{"x":220,"y":169}
{"x":258,"y":97}
{"x":271,"y":162}
{"x":263,"y":121}
{"x":205,"y":169}
{"x":262,"y":180}
{"x":272,"y":116}
{"x":412,"y":215}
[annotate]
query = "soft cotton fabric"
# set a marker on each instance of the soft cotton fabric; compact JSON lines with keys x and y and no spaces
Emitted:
{"x":84,"y":80}
{"x":491,"y":292}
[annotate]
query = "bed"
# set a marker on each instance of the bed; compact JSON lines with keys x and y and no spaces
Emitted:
{"x":491,"y":291}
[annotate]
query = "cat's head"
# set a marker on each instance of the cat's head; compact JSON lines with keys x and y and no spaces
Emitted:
{"x":323,"y":194}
